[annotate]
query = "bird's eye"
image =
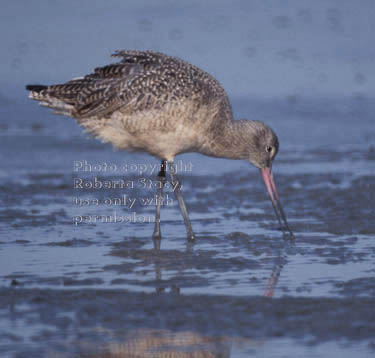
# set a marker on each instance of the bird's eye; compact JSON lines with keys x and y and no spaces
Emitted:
{"x":268,"y":148}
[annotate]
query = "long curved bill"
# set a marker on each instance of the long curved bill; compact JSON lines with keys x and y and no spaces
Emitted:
{"x":271,"y":188}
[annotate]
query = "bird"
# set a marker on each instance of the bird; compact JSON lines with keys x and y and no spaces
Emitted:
{"x":159,"y":104}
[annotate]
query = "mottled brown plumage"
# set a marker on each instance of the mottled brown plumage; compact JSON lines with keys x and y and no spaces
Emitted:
{"x":161,"y":105}
{"x":152,"y":95}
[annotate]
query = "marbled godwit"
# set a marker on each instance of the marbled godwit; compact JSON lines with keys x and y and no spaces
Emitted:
{"x":164,"y":106}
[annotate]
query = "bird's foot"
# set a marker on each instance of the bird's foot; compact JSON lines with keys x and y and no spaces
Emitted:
{"x":288,"y":235}
{"x":288,"y":231}
{"x":157,"y":232}
{"x":191,"y":236}
{"x":156,"y":237}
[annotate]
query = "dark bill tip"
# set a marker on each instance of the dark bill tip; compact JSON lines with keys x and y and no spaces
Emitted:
{"x":274,"y":196}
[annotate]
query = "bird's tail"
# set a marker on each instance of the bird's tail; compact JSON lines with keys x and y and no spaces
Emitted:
{"x":36,"y":88}
{"x":40,"y":93}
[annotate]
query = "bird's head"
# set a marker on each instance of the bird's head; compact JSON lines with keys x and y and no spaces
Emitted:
{"x":263,"y":146}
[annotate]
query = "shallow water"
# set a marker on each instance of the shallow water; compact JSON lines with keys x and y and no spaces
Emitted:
{"x":242,"y":289}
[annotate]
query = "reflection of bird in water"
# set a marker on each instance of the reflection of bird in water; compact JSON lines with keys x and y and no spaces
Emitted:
{"x":162,"y":343}
{"x":280,"y":262}
{"x":159,"y":261}
{"x":164,"y":106}
{"x":272,"y":281}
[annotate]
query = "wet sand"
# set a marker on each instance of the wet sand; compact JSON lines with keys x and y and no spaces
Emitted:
{"x":102,"y":289}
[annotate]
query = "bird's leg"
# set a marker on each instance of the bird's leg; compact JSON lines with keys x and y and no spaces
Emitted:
{"x":161,"y":179}
{"x":176,"y":185}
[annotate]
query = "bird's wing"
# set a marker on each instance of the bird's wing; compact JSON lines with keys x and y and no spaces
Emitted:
{"x":141,"y":80}
{"x":133,"y":81}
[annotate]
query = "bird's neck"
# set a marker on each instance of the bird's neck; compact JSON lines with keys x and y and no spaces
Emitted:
{"x":227,"y":140}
